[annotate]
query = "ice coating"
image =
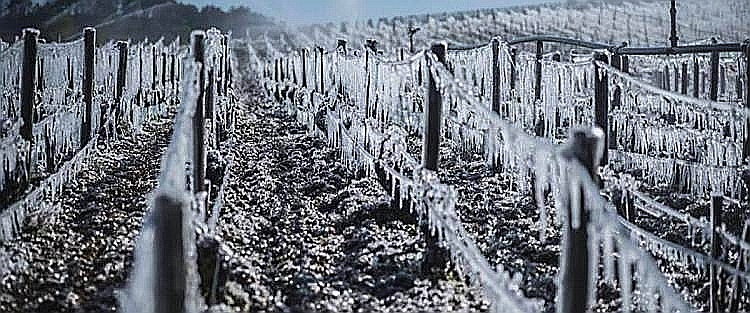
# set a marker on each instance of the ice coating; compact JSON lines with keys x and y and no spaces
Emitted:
{"x":371,"y":132}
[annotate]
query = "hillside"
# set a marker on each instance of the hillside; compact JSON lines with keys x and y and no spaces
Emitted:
{"x":123,"y":19}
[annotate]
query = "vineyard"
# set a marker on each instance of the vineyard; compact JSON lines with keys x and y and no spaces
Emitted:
{"x":553,"y":158}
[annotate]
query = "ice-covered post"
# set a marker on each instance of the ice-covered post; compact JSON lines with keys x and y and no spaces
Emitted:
{"x":122,"y":72}
{"x":171,"y":70}
{"x":89,"y":40}
{"x":28,"y":74}
{"x":538,"y":71}
{"x":401,"y":54}
{"x":154,"y":68}
{"x":210,"y":89}
{"x":737,"y":285}
{"x":513,"y":57}
{"x":673,"y":17}
{"x":696,"y":77}
{"x":434,"y":256}
{"x":746,"y":144}
{"x":584,"y":147}
{"x":170,"y":272}
{"x":684,"y":78}
{"x":321,"y":50}
{"x":717,"y":203}
{"x":224,"y":65}
{"x":714,"y":92}
{"x":412,"y":32}
{"x":40,"y":76}
{"x":496,"y":75}
{"x":199,"y":123}
{"x":304,"y":68}
{"x":601,"y":102}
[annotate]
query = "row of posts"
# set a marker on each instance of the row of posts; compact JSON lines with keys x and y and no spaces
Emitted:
{"x":171,"y":271}
{"x":30,"y":73}
{"x":582,"y":147}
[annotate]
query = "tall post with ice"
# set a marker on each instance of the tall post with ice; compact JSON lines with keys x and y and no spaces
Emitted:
{"x":496,"y":75}
{"x":28,"y":74}
{"x":199,"y":126}
{"x":714,"y":91}
{"x":435,"y":255}
{"x":122,"y":70}
{"x":584,"y":147}
{"x":89,"y":40}
{"x":601,"y":102}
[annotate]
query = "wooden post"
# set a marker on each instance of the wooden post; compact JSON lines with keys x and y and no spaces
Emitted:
{"x":513,"y":66}
{"x":321,"y":50}
{"x":70,"y":74}
{"x":163,"y":69}
{"x":673,"y":39}
{"x":210,"y":89}
{"x":171,"y":70}
{"x":667,"y":79}
{"x":401,"y":54}
{"x":154,"y":68}
{"x":584,"y":147}
{"x":199,"y":122}
{"x":684,"y":78}
{"x":40,"y":77}
{"x":227,"y":66}
{"x":746,"y":143}
{"x":496,"y":75}
{"x":696,"y":78}
{"x":738,"y":286}
{"x":434,"y":256}
{"x":122,"y":72}
{"x":714,"y":92}
{"x":28,"y":73}
{"x":715,"y":215}
{"x":538,"y":68}
{"x":169,"y":255}
{"x":625,"y":64}
{"x":89,"y":38}
{"x":304,"y":68}
{"x":601,"y":103}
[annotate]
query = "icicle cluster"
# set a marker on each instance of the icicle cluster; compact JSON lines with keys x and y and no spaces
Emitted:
{"x":685,"y":142}
{"x":372,"y":105}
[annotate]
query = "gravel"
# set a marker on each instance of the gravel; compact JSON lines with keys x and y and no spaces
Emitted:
{"x":306,"y":235}
{"x":76,"y":260}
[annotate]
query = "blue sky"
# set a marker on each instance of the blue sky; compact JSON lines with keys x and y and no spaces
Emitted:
{"x":314,"y":11}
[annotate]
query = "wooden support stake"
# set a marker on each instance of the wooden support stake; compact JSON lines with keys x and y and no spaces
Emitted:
{"x":122,"y":72}
{"x":170,"y":283}
{"x":28,"y":74}
{"x":496,"y":75}
{"x":89,"y":39}
{"x":304,"y":68}
{"x":199,"y":122}
{"x":538,"y":69}
{"x":601,"y":105}
{"x":714,"y":92}
{"x":684,"y":78}
{"x":715,"y":215}
{"x":435,"y":257}
{"x":738,"y":286}
{"x":584,"y":147}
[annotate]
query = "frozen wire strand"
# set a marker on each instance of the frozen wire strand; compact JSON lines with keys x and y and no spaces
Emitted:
{"x":636,"y":233}
{"x":510,"y":132}
{"x":67,"y":171}
{"x":491,"y":279}
{"x":694,"y":222}
{"x":679,"y":128}
{"x":631,"y":155}
{"x":604,"y":216}
{"x":685,"y":100}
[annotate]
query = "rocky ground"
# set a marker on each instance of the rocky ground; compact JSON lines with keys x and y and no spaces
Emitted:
{"x":76,"y":260}
{"x":306,"y":235}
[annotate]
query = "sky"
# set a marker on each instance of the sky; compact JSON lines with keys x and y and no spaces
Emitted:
{"x":298,"y":12}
